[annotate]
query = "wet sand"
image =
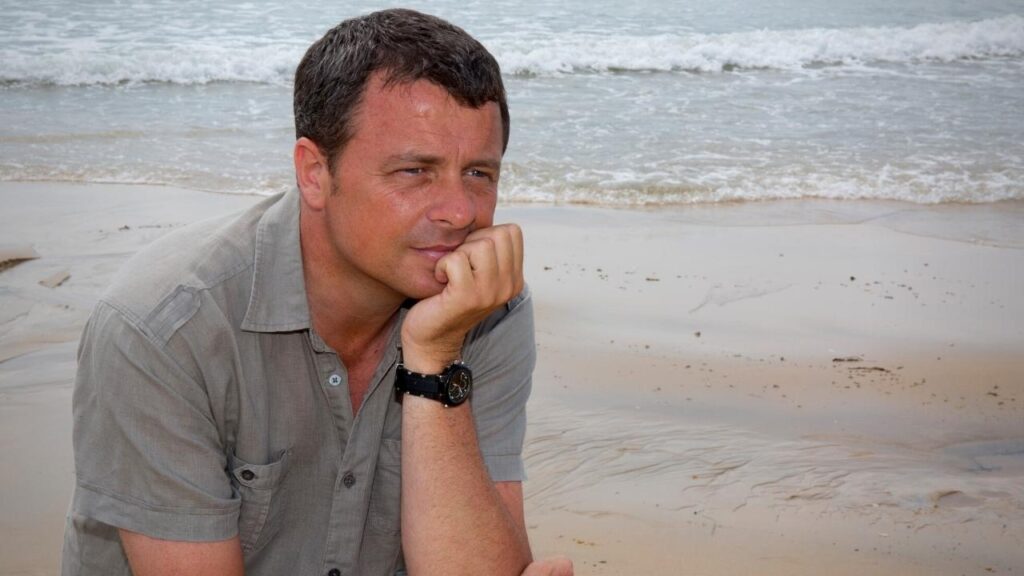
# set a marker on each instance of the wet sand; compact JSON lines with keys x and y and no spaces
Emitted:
{"x":800,"y":387}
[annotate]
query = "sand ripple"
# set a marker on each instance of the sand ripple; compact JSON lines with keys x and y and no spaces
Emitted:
{"x":631,"y":460}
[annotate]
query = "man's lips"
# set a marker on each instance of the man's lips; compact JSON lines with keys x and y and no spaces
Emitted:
{"x":437,"y":252}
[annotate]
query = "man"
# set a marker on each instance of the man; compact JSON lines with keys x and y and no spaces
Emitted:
{"x":334,"y":382}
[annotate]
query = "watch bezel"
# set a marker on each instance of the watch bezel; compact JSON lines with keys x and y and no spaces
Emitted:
{"x":452,"y":374}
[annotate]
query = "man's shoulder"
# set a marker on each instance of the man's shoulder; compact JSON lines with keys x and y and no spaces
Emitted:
{"x":506,"y":332}
{"x":517,"y":312}
{"x":158,"y":288}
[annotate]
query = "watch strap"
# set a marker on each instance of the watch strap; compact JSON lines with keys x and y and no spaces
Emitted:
{"x":425,"y":385}
{"x":451,"y":387}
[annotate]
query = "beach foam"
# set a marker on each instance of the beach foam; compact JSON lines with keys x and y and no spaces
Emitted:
{"x":730,"y":183}
{"x":765,"y":49}
{"x":83,"y":63}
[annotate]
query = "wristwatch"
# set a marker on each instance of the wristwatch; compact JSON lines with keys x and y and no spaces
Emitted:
{"x":451,"y":387}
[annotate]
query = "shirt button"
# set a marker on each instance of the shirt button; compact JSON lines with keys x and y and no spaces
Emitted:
{"x":334,"y":572}
{"x":334,"y":380}
{"x":248,"y":475}
{"x":349,"y":479}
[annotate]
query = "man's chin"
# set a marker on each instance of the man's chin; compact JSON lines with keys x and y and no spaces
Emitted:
{"x":424,"y":289}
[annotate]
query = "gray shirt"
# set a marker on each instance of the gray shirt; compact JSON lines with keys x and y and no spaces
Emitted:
{"x":206,"y":406}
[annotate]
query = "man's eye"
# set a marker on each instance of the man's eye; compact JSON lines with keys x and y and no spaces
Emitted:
{"x":480,"y":174}
{"x":412,"y":171}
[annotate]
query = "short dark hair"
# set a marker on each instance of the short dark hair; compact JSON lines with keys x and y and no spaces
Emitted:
{"x":405,"y":46}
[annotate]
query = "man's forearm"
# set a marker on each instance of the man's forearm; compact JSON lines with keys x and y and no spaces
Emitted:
{"x":153,"y":557}
{"x":453,"y":520}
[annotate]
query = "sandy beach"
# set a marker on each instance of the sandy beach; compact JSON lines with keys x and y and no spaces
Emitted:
{"x":789,"y":387}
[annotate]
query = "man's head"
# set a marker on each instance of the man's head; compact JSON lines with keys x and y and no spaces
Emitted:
{"x":404,"y":46}
{"x":402,"y":124}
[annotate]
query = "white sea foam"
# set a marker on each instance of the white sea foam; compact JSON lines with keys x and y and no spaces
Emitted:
{"x":86,"y":63}
{"x":232,"y":59}
{"x":630,"y":188}
{"x":763,"y":49}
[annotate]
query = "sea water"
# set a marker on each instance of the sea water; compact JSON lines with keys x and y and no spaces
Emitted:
{"x":621,"y":103}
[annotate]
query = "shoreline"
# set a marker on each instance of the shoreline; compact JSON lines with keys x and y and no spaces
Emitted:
{"x":695,"y":211}
{"x":787,"y":387}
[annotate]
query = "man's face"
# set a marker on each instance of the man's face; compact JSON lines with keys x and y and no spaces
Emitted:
{"x":419,"y":174}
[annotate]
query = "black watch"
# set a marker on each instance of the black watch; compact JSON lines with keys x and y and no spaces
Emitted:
{"x":451,"y":387}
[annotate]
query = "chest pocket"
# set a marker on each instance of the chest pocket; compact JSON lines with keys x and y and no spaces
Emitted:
{"x":257,"y":484}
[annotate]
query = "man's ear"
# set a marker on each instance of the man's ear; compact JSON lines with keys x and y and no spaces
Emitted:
{"x":312,"y":173}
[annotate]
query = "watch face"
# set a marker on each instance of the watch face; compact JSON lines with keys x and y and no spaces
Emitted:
{"x":459,"y":386}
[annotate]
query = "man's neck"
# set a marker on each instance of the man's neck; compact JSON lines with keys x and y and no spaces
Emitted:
{"x":351,"y":313}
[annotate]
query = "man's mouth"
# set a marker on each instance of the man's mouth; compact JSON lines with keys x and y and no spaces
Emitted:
{"x":437,"y":252}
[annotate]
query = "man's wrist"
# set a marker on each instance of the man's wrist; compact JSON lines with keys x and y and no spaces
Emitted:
{"x":428,"y":360}
{"x":426,"y":366}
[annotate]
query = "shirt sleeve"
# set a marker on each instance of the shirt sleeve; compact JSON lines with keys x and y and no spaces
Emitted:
{"x":502,"y":354}
{"x":148,"y":454}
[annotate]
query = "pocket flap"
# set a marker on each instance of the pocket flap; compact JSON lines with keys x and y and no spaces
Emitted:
{"x":259,"y":476}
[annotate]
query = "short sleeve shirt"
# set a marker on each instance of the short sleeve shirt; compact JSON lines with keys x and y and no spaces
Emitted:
{"x":206,"y":406}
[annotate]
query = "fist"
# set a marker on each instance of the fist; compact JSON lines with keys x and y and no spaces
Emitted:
{"x":483,"y":273}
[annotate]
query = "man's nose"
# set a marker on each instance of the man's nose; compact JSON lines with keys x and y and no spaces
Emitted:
{"x":453,"y":203}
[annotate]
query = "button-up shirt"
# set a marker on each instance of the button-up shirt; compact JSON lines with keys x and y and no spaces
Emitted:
{"x":206,"y":406}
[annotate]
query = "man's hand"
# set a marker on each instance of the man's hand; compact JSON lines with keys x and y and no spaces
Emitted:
{"x":485,"y":272}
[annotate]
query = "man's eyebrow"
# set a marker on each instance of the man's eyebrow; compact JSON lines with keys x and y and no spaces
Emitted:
{"x":430,"y":160}
{"x":487,"y":163}
{"x":413,"y":158}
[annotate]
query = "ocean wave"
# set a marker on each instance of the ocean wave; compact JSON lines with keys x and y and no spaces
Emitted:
{"x":764,"y":49}
{"x":87,"y":63}
{"x":101,"y":61}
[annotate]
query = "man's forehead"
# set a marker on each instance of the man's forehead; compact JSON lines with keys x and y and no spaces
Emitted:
{"x":387,"y":102}
{"x":419,"y":92}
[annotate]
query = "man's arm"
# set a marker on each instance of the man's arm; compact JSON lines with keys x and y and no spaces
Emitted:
{"x":454,"y":519}
{"x":152,"y":557}
{"x":147,"y":454}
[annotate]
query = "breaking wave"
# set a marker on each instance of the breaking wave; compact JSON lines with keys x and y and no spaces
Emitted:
{"x":765,"y":49}
{"x":787,"y":49}
{"x":101,"y":61}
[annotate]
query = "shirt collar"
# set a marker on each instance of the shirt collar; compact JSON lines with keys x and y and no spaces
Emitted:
{"x":278,"y":302}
